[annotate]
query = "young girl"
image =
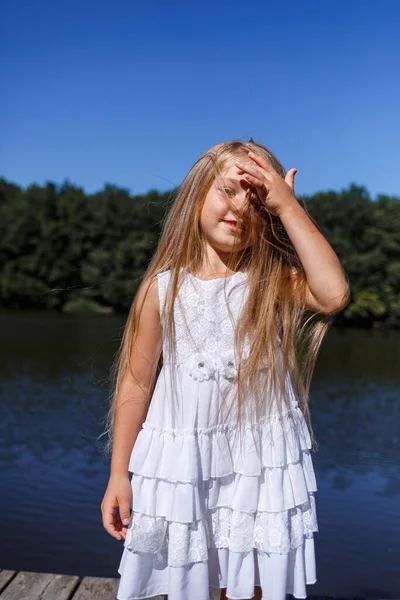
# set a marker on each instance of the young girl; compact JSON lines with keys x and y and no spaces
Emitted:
{"x":210,"y":410}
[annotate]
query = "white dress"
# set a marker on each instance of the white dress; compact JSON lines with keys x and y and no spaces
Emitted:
{"x":208,"y":511}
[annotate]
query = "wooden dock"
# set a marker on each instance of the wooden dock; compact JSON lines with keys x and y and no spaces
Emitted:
{"x":27,"y":585}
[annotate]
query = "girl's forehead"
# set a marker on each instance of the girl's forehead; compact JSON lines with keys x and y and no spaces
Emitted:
{"x":230,"y":169}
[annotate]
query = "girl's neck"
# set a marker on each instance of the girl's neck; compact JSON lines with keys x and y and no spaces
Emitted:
{"x":209,"y":274}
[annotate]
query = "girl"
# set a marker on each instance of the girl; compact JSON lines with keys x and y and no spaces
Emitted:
{"x":210,"y":410}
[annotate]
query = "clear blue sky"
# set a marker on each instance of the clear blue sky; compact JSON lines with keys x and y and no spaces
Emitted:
{"x":132,"y":93}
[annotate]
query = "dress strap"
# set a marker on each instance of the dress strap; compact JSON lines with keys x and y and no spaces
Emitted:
{"x":162,"y":281}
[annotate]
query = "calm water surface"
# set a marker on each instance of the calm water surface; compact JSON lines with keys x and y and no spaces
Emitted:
{"x":54,"y":394}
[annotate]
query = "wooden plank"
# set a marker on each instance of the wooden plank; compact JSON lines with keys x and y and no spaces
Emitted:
{"x":28,"y":585}
{"x":62,"y":587}
{"x":100,"y":588}
{"x":5,"y":578}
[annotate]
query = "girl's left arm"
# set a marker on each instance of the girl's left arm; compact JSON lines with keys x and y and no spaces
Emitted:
{"x":328,"y":291}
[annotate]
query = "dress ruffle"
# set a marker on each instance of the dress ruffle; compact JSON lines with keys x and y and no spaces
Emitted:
{"x":207,"y":488}
{"x":275,"y":490}
{"x":178,"y":544}
{"x":188,"y":456}
{"x":278,"y":574}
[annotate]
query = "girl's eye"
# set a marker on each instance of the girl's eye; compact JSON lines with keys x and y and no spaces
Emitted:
{"x":227,"y":191}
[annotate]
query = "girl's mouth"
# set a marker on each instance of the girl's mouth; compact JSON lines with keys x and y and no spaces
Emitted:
{"x":232,"y":225}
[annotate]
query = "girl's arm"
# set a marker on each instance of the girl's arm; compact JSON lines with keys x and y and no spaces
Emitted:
{"x":131,"y":404}
{"x":328,"y":291}
{"x":135,"y":392}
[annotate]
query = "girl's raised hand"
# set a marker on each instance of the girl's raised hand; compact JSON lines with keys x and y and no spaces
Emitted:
{"x":118,"y":496}
{"x":274,"y":192}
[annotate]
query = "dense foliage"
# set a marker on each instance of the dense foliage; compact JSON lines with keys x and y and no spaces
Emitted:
{"x":60,"y":247}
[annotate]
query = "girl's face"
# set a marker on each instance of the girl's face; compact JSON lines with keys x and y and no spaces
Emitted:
{"x":218,"y":222}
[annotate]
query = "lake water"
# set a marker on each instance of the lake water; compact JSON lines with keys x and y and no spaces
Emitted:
{"x":54,"y":394}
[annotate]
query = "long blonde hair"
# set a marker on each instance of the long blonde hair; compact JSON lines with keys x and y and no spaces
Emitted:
{"x":275,"y":307}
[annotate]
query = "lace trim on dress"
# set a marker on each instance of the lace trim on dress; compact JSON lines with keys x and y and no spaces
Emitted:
{"x":179,"y":544}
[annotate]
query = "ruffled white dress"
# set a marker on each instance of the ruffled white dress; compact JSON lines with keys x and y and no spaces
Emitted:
{"x":210,"y":509}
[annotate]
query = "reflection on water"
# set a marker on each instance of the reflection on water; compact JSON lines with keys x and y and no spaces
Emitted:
{"x":54,"y":395}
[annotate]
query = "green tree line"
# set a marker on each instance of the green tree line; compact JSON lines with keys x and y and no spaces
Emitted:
{"x":66,"y":250}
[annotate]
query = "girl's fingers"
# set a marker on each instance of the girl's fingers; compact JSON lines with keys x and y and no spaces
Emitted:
{"x":112,"y":523}
{"x":253,"y":180}
{"x":259,"y":160}
{"x":249,"y":169}
{"x":290,"y":178}
{"x":262,"y":190}
{"x":112,"y":530}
